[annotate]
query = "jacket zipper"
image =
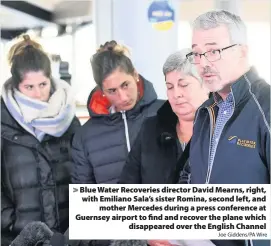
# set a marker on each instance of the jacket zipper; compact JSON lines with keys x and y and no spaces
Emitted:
{"x":46,"y":148}
{"x":126,"y":130}
{"x":210,"y":167}
{"x":36,"y":151}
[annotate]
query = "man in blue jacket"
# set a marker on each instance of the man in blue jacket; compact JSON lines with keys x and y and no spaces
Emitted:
{"x":231,"y":138}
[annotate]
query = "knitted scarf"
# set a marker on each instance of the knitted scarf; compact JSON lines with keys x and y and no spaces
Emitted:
{"x":39,"y":118}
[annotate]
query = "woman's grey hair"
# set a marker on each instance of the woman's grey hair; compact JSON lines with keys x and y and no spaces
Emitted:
{"x":216,"y":18}
{"x":178,"y":62}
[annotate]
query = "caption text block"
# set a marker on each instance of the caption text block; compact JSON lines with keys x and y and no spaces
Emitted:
{"x":169,"y":212}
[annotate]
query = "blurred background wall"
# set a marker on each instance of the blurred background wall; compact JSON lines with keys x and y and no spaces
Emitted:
{"x":70,"y":31}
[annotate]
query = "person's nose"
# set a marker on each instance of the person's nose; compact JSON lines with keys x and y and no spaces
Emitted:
{"x":37,"y":93}
{"x":204,"y":62}
{"x":177,"y":92}
{"x":123,"y":96}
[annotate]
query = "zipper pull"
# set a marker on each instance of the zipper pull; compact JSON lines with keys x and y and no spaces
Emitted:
{"x":126,"y":130}
{"x":123,"y":115}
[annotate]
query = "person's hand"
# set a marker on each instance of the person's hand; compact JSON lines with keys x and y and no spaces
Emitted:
{"x":159,"y":243}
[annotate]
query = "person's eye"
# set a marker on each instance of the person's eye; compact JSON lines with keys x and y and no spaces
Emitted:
{"x":213,"y":52}
{"x":125,"y":85}
{"x":196,"y":54}
{"x":112,"y":91}
{"x":43,"y":84}
{"x":183,"y":84}
{"x":29,"y":87}
{"x":169,"y":87}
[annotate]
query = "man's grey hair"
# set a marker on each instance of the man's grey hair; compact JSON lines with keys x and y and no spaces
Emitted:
{"x":178,"y":62}
{"x":216,"y":18}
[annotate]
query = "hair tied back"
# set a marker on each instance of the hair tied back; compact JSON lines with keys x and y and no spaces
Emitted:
{"x":26,"y":37}
{"x":27,"y":40}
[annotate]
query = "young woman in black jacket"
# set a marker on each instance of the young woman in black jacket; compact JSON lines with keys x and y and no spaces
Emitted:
{"x":37,"y":125}
{"x":119,"y":104}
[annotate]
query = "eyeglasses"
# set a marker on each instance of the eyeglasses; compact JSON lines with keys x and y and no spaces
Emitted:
{"x":211,"y":56}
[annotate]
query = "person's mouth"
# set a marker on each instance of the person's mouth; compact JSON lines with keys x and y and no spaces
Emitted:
{"x":209,"y":75}
{"x":180,"y":104}
{"x":127,"y":104}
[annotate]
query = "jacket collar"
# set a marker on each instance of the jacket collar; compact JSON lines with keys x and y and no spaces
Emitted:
{"x":167,"y":118}
{"x":99,"y":106}
{"x":240,"y":88}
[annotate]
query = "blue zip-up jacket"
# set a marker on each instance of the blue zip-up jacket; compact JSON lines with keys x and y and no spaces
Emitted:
{"x":243,"y":152}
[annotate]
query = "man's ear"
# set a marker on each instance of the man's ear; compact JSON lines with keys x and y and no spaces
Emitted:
{"x":243,"y":51}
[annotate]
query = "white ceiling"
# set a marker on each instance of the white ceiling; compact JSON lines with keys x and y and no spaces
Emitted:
{"x":14,"y":19}
{"x":70,"y":11}
{"x":45,"y":4}
{"x":64,"y":12}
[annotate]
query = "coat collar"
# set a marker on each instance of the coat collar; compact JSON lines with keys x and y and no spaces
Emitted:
{"x":239,"y":89}
{"x":167,"y":119}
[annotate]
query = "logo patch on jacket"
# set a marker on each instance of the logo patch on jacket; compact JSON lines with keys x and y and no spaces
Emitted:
{"x":242,"y":142}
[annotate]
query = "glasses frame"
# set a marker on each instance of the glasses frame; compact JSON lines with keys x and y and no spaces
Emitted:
{"x":188,"y":56}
